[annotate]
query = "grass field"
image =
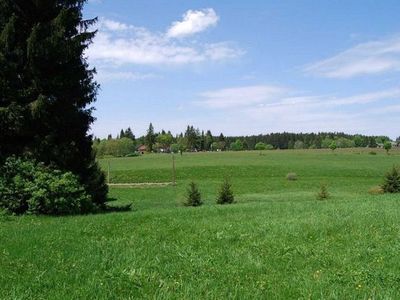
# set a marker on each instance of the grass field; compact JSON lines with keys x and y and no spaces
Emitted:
{"x":276,"y":241}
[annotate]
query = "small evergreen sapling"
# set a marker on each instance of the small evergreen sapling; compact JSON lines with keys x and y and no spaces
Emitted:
{"x":225,"y":194}
{"x":323,"y":192}
{"x":193,"y":197}
{"x":392,"y":181}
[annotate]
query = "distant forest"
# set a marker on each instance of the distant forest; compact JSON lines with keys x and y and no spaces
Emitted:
{"x":126,"y":144}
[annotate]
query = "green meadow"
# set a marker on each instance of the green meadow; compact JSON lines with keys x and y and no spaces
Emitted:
{"x":275,"y":242}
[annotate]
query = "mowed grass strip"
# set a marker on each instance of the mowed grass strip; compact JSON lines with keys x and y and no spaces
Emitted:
{"x":277,"y":241}
{"x":250,"y":164}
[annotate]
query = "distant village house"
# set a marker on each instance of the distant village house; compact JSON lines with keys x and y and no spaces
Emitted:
{"x":142,"y":149}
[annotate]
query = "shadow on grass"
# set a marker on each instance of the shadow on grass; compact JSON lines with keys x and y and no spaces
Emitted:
{"x":8,"y":216}
{"x":111,"y":199}
{"x":116,"y":208}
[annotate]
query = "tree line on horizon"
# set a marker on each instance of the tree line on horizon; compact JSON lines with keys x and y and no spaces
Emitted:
{"x":192,"y":140}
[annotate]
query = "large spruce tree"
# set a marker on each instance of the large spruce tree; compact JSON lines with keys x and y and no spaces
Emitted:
{"x":47,"y":87}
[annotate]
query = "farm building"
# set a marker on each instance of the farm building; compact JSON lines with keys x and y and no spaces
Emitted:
{"x":142,"y":149}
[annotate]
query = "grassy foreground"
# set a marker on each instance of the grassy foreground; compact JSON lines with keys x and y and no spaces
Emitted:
{"x":277,"y":241}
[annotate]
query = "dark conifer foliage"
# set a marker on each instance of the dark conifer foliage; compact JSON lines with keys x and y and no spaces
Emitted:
{"x":150,"y":138}
{"x":225,"y":193}
{"x":47,"y":87}
{"x":392,"y":181}
{"x":193,"y":197}
{"x":129,"y":134}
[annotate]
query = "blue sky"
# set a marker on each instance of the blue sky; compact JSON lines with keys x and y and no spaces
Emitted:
{"x":247,"y":67}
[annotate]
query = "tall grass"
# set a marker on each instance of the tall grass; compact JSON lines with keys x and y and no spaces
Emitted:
{"x":277,"y":241}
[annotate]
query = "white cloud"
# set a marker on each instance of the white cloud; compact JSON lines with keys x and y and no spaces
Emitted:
{"x":390,"y":94}
{"x":364,"y":59}
{"x":194,"y":21}
{"x":112,"y":25}
{"x":106,"y":76}
{"x":284,"y":109}
{"x":248,"y":110}
{"x":148,"y":49}
{"x":118,"y":43}
{"x":240,"y":96}
{"x":355,"y":114}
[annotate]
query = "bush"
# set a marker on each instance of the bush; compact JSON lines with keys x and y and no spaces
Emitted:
{"x":260,"y":146}
{"x":326,"y":143}
{"x":372,"y":153}
{"x":269,"y":147}
{"x":323,"y":192}
{"x":193,"y":197}
{"x":345,"y":143}
{"x":333,"y":146}
{"x":225,"y":194}
{"x":291,"y":176}
{"x":392,"y":181}
{"x":237,"y":145}
{"x":29,"y":187}
{"x":387,"y":146}
{"x":174,"y":148}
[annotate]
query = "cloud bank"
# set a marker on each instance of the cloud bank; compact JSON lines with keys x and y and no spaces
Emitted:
{"x":118,"y":43}
{"x":364,"y":59}
{"x":274,"y":108}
